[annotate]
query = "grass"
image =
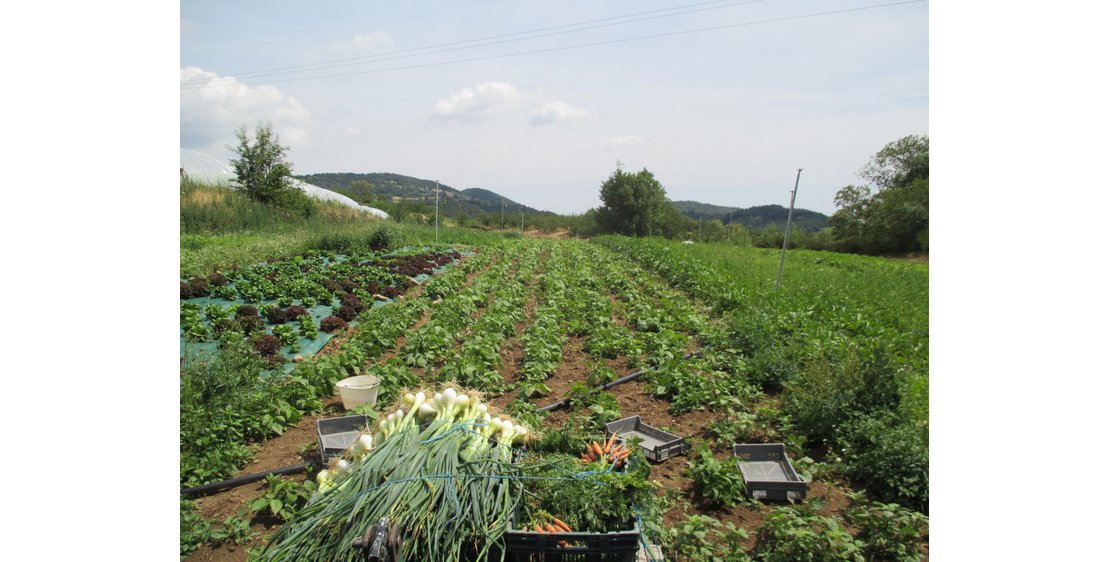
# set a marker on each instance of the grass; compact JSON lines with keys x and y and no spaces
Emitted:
{"x":221,"y":228}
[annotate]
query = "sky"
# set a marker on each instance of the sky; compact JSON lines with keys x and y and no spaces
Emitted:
{"x":723,"y":116}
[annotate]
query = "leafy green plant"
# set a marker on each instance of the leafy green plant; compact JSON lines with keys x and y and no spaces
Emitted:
{"x":701,"y":538}
{"x":736,"y":427}
{"x":888,"y":457}
{"x":717,"y":481}
{"x":196,"y":530}
{"x":889,"y":531}
{"x":601,"y":406}
{"x":282,"y":497}
{"x":795,"y":534}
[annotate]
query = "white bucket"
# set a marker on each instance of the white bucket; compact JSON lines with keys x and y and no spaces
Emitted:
{"x":359,"y":390}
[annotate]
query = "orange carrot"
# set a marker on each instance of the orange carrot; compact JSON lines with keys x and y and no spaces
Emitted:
{"x":551,"y":528}
{"x":597,"y":449}
{"x":560,"y":524}
{"x":563,"y":543}
{"x":612,"y":441}
{"x":540,"y":529}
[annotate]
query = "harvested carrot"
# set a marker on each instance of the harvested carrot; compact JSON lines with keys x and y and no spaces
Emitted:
{"x":612,"y":441}
{"x":551,"y":528}
{"x":539,"y":529}
{"x":561,"y":525}
{"x":597,"y":449}
{"x":564,"y":543}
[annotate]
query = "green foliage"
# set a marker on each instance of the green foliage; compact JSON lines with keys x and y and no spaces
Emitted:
{"x":262,"y":173}
{"x":889,"y":531}
{"x":894,"y":217}
{"x":632,"y":204}
{"x":889,"y":458}
{"x":795,"y":534}
{"x":196,"y":530}
{"x":701,"y":538}
{"x":600,"y":406}
{"x":225,"y":404}
{"x":717,"y":481}
{"x":828,"y":391}
{"x":282,"y":498}
{"x":601,"y":503}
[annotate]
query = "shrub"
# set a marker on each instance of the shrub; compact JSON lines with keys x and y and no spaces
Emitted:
{"x":829,"y":391}
{"x":889,"y":458}
{"x":382,"y":238}
{"x":333,"y":324}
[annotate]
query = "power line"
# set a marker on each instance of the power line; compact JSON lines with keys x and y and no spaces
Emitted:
{"x":454,"y":46}
{"x":583,"y":45}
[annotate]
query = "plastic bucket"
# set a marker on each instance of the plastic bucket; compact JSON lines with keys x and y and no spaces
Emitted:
{"x":358,"y":390}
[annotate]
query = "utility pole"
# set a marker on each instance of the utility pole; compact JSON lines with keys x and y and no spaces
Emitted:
{"x":789,"y":216}
{"x":437,"y":211}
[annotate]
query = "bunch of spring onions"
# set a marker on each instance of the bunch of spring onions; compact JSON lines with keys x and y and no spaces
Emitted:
{"x":438,"y":468}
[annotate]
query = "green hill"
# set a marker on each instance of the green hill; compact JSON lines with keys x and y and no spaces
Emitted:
{"x":364,"y":188}
{"x":754,"y":218}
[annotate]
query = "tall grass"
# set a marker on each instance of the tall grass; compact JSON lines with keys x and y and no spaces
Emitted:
{"x":221,"y":228}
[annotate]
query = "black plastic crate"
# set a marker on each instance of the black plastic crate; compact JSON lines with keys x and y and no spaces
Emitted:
{"x":767,"y":472}
{"x":338,"y":434}
{"x":530,"y":546}
{"x":658,"y":445}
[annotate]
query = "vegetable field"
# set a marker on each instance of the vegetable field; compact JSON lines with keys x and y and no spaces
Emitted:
{"x":473,"y":344}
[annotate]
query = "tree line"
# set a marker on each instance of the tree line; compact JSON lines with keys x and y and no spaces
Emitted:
{"x":888,"y":213}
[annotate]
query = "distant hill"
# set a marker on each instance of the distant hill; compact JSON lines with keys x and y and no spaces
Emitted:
{"x":754,"y":218}
{"x":452,"y":202}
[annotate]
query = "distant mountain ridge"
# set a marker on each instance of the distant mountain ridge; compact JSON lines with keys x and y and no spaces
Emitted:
{"x":452,"y":202}
{"x":754,"y":218}
{"x":476,"y":201}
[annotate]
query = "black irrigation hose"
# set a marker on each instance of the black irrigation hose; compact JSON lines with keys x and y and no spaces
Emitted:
{"x":240,"y":480}
{"x":607,"y":386}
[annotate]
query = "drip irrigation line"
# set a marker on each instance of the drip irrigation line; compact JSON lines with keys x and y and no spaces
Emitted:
{"x":630,"y":377}
{"x":247,"y":479}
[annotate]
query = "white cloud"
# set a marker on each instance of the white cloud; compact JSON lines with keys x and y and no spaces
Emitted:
{"x":212,"y":107}
{"x":476,"y":103}
{"x":488,"y":99}
{"x":557,"y":112}
{"x":623,"y":142}
{"x":363,"y":42}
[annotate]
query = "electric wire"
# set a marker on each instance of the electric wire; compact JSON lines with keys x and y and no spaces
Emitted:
{"x":208,"y":84}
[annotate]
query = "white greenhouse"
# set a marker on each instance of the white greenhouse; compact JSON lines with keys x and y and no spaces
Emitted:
{"x":209,"y":169}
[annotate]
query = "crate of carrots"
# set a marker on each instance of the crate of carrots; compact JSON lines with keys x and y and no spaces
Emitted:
{"x":597,"y":500}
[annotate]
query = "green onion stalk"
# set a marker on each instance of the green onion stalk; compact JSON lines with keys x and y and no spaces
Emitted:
{"x":442,"y":472}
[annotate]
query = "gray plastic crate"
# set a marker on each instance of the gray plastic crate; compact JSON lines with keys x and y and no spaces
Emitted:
{"x":337,"y":434}
{"x":767,"y":472}
{"x":657,"y":444}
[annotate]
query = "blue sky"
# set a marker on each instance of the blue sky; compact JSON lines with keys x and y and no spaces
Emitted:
{"x":722,"y":116}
